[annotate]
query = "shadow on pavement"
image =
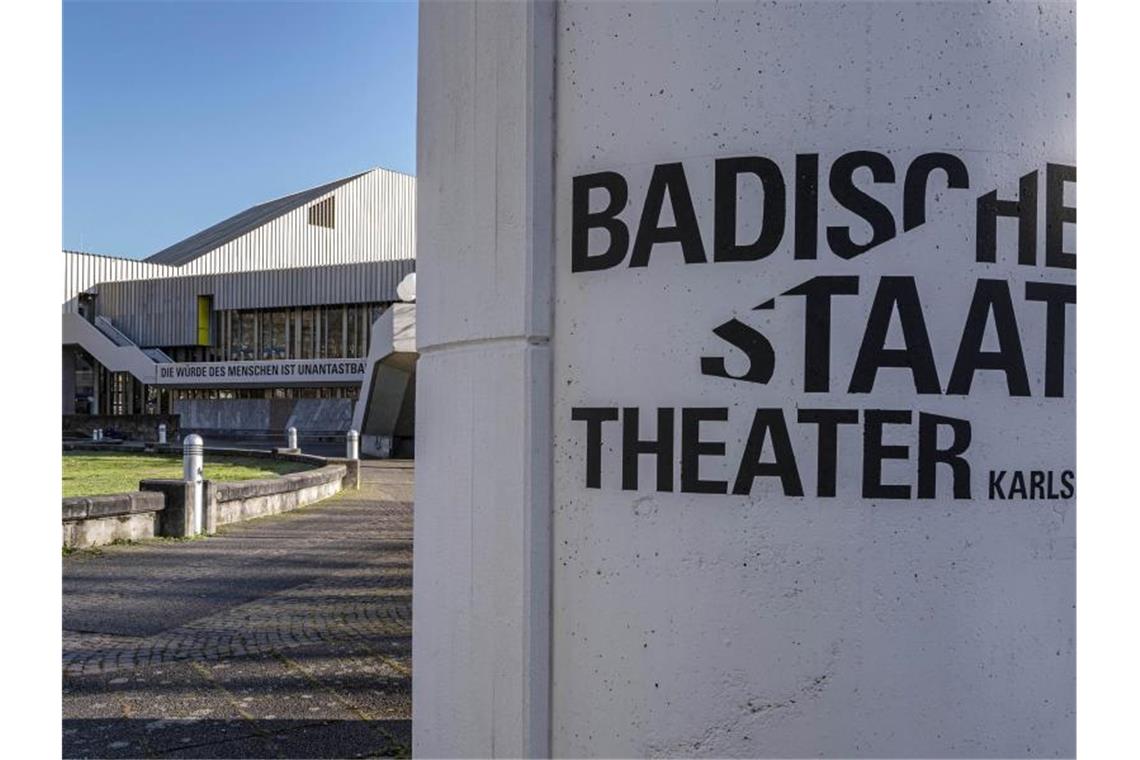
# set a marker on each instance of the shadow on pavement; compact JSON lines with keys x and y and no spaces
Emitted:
{"x":239,"y":738}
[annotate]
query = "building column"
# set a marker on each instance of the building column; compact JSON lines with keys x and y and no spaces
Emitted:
{"x":483,"y":491}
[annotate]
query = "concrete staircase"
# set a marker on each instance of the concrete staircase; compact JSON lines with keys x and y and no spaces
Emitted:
{"x":109,"y":346}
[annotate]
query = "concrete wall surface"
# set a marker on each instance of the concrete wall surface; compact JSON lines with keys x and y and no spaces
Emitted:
{"x":480,"y":632}
{"x":266,"y":415}
{"x":235,"y":501}
{"x":792,"y":421}
{"x":98,"y":520}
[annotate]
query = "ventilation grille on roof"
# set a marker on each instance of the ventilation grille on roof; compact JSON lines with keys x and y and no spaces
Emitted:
{"x":323,"y":214}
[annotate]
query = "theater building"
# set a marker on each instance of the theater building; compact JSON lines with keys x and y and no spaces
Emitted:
{"x":261,"y":322}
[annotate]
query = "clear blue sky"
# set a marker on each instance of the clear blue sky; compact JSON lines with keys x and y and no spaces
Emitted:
{"x":177,"y":115}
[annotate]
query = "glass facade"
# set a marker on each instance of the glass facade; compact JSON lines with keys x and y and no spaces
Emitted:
{"x":339,"y":331}
{"x":120,"y":393}
{"x":314,"y":332}
{"x":273,"y":339}
{"x":332,"y":332}
{"x":86,"y":370}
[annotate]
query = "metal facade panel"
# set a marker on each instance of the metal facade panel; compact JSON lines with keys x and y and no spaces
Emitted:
{"x":375,"y":221}
{"x":281,"y":261}
{"x":82,"y":271}
{"x":162,"y":312}
{"x":216,"y":236}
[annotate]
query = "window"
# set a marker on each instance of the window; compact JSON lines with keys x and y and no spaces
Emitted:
{"x":323,"y":214}
{"x":332,"y":330}
{"x":307,"y":334}
{"x":120,"y":393}
{"x":84,"y":382}
{"x":356,"y":330}
{"x":273,"y":337}
{"x":243,"y":336}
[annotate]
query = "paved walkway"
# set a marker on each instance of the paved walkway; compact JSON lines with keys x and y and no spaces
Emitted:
{"x":288,"y":636}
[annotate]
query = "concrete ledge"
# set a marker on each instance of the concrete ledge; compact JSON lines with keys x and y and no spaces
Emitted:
{"x":97,"y":520}
{"x":352,"y":471}
{"x":246,"y":499}
{"x":162,"y":507}
{"x":104,"y":445}
{"x":135,"y":427}
{"x":110,"y":505}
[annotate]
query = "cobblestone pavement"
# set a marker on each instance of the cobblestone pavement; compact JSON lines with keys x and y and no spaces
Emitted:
{"x":288,"y":636}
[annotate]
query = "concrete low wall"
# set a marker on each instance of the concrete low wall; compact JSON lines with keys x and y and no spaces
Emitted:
{"x":96,"y":520}
{"x":230,"y":502}
{"x":161,"y":507}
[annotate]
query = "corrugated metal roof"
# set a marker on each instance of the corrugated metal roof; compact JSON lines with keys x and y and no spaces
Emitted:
{"x":230,"y":229}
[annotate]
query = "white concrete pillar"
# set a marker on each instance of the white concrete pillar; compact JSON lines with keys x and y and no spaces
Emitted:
{"x":791,"y":469}
{"x":484,"y":267}
{"x":192,"y":464}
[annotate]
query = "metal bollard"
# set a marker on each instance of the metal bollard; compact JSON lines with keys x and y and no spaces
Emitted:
{"x":98,"y":434}
{"x":192,"y":461}
{"x":352,"y":445}
{"x":291,"y":438}
{"x":162,"y":433}
{"x":94,"y":434}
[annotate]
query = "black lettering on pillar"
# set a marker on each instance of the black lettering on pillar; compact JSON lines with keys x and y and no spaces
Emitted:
{"x":1057,"y":215}
{"x":685,"y":230}
{"x":899,"y":293}
{"x":828,"y":421}
{"x":817,"y":293}
{"x":773,"y":210}
{"x":917,"y":177}
{"x":1056,"y":296}
{"x":929,"y":455}
{"x":875,"y":451}
{"x":632,"y":447}
{"x":693,"y":448}
{"x":761,"y":356}
{"x":1068,"y":483}
{"x":784,"y":465}
{"x":1023,"y":209}
{"x":807,"y":205}
{"x":990,"y":296}
{"x":843,"y":188}
{"x":583,"y":220}
{"x":594,"y":417}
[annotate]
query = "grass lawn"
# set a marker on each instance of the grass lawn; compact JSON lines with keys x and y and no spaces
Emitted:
{"x":89,"y":473}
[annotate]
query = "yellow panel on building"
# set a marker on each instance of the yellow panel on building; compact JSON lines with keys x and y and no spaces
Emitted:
{"x":205,"y":308}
